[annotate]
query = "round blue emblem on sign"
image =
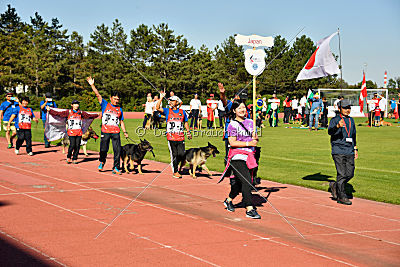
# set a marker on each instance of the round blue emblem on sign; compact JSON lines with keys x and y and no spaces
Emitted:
{"x":255,"y":66}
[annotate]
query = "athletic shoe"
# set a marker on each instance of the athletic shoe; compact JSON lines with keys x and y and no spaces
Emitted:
{"x":116,"y":171}
{"x":30,"y":154}
{"x":16,"y":151}
{"x":10,"y":146}
{"x":47,"y":145}
{"x":332,"y":186}
{"x":253,"y":214}
{"x":69,"y":161}
{"x":229,"y":205}
{"x":344,"y":200}
{"x":101,"y":166}
{"x":177,"y":175}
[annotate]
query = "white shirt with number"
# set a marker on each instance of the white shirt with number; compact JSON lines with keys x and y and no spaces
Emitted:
{"x":295,"y":103}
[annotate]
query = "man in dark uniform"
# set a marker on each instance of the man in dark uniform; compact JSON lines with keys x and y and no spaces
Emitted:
{"x":342,"y":130}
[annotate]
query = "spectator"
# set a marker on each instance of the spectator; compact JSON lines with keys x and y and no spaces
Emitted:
{"x":48,"y":101}
{"x":303,"y":102}
{"x":336,"y":103}
{"x":287,"y":104}
{"x":295,"y":104}
{"x":148,"y":110}
{"x":156,"y":114}
{"x":211,"y":107}
{"x":195,"y":111}
{"x":324,"y":116}
{"x":6,"y":109}
{"x":377,"y":115}
{"x":372,"y":104}
{"x":382,"y":106}
{"x":221,"y":113}
{"x":273,"y":112}
{"x":315,"y":110}
{"x":392,"y":107}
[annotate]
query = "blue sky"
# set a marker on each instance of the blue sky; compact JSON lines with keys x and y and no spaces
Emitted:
{"x":370,"y":30}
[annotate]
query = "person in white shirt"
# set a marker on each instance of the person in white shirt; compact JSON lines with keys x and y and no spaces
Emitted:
{"x":148,"y":109}
{"x":382,"y":105}
{"x":303,"y":103}
{"x":295,"y":104}
{"x":336,"y":103}
{"x":195,"y":110}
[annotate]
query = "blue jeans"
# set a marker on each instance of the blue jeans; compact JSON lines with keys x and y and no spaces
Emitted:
{"x":312,"y":117}
{"x":46,"y":142}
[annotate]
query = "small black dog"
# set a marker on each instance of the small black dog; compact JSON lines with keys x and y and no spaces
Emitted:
{"x":198,"y":157}
{"x":135,"y":153}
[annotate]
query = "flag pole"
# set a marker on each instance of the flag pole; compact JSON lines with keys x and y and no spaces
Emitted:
{"x":254,"y":100}
{"x":341,"y":66}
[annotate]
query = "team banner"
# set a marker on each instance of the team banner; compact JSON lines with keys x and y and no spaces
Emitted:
{"x":56,"y":126}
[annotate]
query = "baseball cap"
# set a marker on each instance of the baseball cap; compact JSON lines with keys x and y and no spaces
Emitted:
{"x":345,"y":103}
{"x":173,"y":98}
{"x":75,"y":102}
{"x":48,"y":94}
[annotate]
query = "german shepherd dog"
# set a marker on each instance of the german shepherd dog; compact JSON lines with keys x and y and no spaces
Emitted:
{"x":198,"y":157}
{"x":90,"y":133}
{"x":135,"y":153}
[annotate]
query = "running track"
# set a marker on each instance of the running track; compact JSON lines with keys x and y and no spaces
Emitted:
{"x":50,"y":214}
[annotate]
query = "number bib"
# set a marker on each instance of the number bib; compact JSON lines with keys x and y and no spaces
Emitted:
{"x":175,"y":126}
{"x":25,"y":118}
{"x":110,"y":119}
{"x":74,"y":124}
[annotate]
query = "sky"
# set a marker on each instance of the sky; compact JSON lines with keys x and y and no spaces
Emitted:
{"x":369,"y":29}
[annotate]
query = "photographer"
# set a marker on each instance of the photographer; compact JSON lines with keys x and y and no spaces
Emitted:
{"x":47,"y":102}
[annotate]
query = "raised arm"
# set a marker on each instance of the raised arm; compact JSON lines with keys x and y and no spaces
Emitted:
{"x":90,"y":80}
{"x":162,"y":95}
{"x":222,"y":94}
{"x":42,"y":107}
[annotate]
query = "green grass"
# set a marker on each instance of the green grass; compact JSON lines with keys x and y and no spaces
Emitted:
{"x":299,"y":157}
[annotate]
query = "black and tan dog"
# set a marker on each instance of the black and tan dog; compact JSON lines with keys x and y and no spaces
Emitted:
{"x":90,"y":133}
{"x":135,"y":153}
{"x":197,"y":157}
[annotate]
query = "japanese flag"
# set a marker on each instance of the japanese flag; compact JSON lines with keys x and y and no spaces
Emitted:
{"x":322,"y":63}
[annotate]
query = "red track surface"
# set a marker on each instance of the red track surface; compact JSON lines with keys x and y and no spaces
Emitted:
{"x":51,"y":212}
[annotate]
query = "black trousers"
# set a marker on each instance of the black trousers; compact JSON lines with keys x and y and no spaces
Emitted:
{"x":195,"y":117}
{"x":105,"y":144}
{"x":146,"y":118}
{"x":177,"y":152}
{"x":24,"y":135}
{"x":294,"y":114}
{"x":307,"y":120}
{"x":221,"y":115}
{"x":345,"y":171}
{"x":271,"y":117}
{"x":286,"y":112}
{"x":324,"y":120}
{"x":242,"y":182}
{"x":74,"y":146}
{"x":210,"y":124}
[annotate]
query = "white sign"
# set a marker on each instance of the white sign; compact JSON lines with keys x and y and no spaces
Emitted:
{"x":254,"y":40}
{"x":254,"y":61}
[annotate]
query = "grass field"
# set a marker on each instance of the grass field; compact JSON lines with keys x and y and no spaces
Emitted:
{"x":299,"y":157}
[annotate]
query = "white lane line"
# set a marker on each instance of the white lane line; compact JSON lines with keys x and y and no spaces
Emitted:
{"x":175,"y":249}
{"x":67,"y":190}
{"x":57,"y":206}
{"x":324,"y":256}
{"x":367,"y":231}
{"x":32,"y":248}
{"x":95,"y":189}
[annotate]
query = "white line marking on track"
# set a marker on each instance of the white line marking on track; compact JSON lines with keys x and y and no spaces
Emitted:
{"x":175,"y":249}
{"x":32,"y":248}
